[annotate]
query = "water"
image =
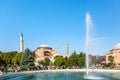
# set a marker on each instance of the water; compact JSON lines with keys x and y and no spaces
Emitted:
{"x":88,"y":27}
{"x":64,"y":76}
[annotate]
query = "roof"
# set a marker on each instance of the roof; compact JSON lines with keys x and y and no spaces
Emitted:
{"x":117,"y":46}
{"x":44,"y":45}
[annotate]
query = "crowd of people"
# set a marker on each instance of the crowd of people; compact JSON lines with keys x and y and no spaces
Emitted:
{"x":4,"y":69}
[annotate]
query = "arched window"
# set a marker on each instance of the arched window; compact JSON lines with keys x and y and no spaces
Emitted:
{"x":47,"y":53}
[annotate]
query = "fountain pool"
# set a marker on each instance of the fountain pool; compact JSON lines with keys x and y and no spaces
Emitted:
{"x":66,"y":76}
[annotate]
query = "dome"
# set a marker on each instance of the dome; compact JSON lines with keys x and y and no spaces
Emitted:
{"x":117,"y":46}
{"x":44,"y":45}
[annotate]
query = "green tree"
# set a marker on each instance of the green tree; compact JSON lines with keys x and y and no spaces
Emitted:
{"x":76,"y":59}
{"x":16,"y":60}
{"x":81,"y":61}
{"x":111,"y":59}
{"x":73,"y":59}
{"x":66,"y":61}
{"x":47,"y":61}
{"x":27,"y":60}
{"x":1,"y":61}
{"x":59,"y":61}
{"x":7,"y":57}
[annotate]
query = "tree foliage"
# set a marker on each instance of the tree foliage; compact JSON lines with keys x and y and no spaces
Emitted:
{"x":1,"y":62}
{"x":74,"y":60}
{"x":59,"y":61}
{"x":16,"y":60}
{"x":66,"y":61}
{"x":7,"y":57}
{"x":27,"y":60}
{"x":111,"y":59}
{"x":81,"y":61}
{"x":47,"y":61}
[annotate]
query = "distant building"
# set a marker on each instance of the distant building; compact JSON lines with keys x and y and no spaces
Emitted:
{"x":96,"y":59}
{"x":45,"y":51}
{"x":21,"y":43}
{"x":115,"y":52}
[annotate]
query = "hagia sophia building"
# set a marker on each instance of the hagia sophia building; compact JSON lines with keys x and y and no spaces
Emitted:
{"x":43,"y":51}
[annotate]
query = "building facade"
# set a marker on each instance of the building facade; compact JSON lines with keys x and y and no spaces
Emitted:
{"x":45,"y":51}
{"x":115,"y":52}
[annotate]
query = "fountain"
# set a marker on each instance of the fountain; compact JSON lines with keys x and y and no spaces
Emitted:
{"x":88,"y":26}
{"x":88,"y":38}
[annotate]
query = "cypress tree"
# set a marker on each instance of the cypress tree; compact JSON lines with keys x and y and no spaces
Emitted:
{"x":27,"y":61}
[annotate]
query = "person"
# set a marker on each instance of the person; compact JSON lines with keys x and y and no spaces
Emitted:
{"x":5,"y":69}
{"x":2,"y":69}
{"x":15,"y":69}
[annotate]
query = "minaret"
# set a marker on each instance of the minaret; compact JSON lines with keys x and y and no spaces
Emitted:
{"x":21,"y":43}
{"x":67,"y":50}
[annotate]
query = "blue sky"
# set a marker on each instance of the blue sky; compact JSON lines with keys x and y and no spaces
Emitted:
{"x":55,"y":22}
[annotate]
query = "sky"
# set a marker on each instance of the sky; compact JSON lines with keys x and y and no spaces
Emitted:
{"x":56,"y":22}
